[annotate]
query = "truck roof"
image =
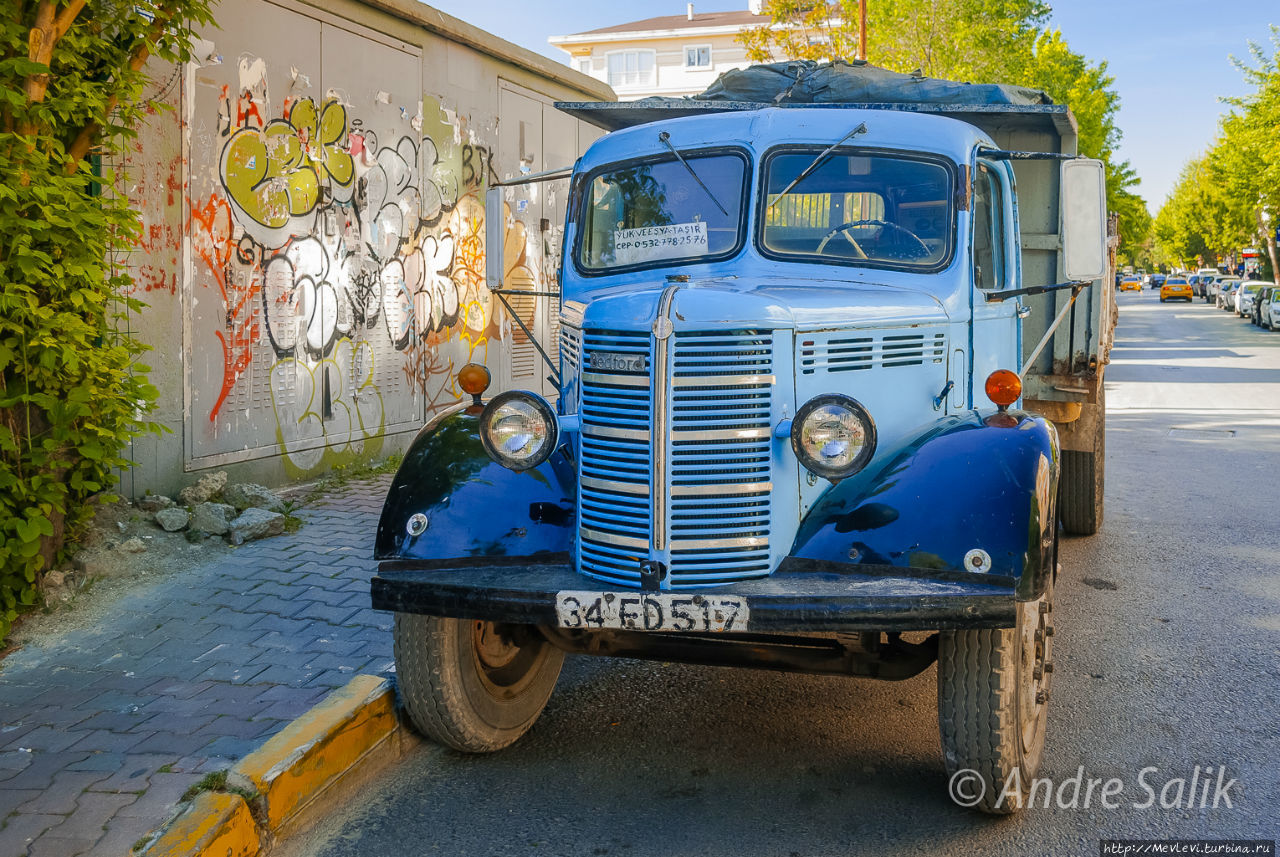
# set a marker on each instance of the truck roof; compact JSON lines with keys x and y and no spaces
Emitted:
{"x":991,"y":118}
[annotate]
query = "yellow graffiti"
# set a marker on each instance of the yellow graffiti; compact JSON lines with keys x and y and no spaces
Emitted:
{"x":275,"y":174}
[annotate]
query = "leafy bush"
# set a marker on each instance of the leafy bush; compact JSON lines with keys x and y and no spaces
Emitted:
{"x":71,"y":393}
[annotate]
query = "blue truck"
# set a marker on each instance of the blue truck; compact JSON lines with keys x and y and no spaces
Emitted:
{"x":829,"y":387}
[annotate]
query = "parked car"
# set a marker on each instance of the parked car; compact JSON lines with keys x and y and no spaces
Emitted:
{"x":1246,"y":295}
{"x":1206,"y":275}
{"x":1175,"y":288}
{"x":1216,"y":287}
{"x":1262,"y":305}
{"x":1271,"y":311}
{"x":1227,"y":295}
{"x":1131,"y":284}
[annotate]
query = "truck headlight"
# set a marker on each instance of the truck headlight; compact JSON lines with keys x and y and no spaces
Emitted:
{"x":833,"y":436}
{"x":518,"y":429}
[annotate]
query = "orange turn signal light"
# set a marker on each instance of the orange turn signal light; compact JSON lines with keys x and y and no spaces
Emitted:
{"x":1004,"y":387}
{"x":474,"y":380}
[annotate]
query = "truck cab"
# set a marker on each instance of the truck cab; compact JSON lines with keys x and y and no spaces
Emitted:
{"x":787,"y":433}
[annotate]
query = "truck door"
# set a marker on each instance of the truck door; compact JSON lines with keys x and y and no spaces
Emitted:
{"x":993,"y":266}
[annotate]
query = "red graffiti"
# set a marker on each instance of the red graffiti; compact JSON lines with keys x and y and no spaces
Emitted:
{"x":238,"y":275}
{"x":246,"y":109}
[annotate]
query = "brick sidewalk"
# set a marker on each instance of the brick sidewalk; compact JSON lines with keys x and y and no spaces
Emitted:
{"x":101,"y":734}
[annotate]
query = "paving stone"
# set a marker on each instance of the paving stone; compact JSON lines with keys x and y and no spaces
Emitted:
{"x":99,"y":761}
{"x":105,"y":741}
{"x":235,"y":673}
{"x":60,"y":797}
{"x":11,"y":799}
{"x":171,"y":742}
{"x":92,"y":811}
{"x":19,"y":830}
{"x":39,"y":774}
{"x":136,"y":775}
{"x":175,"y":688}
{"x":122,"y":833}
{"x":165,"y":789}
{"x":52,"y":845}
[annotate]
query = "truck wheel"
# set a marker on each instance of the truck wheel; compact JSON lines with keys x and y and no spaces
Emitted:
{"x":993,"y":694}
{"x":1080,"y":486}
{"x":470,"y":685}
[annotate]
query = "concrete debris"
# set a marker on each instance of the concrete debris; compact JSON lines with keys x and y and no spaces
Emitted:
{"x":212,"y":518}
{"x":245,"y":495}
{"x":155,"y":502}
{"x":132,"y":545}
{"x":207,"y":488}
{"x":255,"y":524}
{"x":172,"y":520}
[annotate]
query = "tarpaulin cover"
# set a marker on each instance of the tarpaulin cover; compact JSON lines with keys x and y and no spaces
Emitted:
{"x":807,"y":82}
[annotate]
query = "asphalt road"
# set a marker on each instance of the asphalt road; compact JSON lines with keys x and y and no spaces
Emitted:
{"x":1169,"y":632}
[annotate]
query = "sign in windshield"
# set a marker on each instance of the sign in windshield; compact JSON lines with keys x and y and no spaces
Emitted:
{"x":659,"y":211}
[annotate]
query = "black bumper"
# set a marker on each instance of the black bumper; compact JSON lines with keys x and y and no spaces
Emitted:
{"x":801,"y":596}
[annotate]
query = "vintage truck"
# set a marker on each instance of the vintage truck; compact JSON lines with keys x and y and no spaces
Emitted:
{"x":829,"y":385}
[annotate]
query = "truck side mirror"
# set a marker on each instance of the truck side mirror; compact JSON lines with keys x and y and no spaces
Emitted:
{"x":1084,"y":219}
{"x":495,"y":233}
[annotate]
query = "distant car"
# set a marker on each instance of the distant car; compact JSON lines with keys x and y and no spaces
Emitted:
{"x":1174,"y":289}
{"x":1246,"y":295}
{"x":1271,"y":311}
{"x":1157,"y":280}
{"x":1131,"y":284}
{"x":1216,"y":287}
{"x":1262,"y":304}
{"x":1226,"y":299}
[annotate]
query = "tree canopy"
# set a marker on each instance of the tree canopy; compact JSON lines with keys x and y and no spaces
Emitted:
{"x":1229,"y":197}
{"x":984,"y":41}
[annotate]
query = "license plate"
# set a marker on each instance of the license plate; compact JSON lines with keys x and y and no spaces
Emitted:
{"x":651,"y":611}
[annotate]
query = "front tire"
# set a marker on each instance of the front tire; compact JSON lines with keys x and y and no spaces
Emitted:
{"x":471,"y":685}
{"x":993,"y":694}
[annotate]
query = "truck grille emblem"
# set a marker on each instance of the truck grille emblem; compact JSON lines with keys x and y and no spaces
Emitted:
{"x":613,"y":361}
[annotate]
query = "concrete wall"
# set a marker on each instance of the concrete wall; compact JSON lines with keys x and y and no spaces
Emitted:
{"x":313,"y":251}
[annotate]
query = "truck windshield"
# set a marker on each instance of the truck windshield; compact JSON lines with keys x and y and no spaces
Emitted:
{"x":858,"y":208}
{"x":651,"y":213}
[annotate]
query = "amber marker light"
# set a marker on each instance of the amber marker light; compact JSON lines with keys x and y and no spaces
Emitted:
{"x":1004,"y":387}
{"x":474,"y":379}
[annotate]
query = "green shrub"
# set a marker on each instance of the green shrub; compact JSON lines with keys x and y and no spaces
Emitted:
{"x":71,"y":392}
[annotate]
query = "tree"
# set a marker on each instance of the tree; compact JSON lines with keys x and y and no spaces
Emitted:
{"x":71,"y":393}
{"x":1002,"y":41}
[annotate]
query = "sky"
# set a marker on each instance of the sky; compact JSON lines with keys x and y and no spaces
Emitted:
{"x":1171,"y":59}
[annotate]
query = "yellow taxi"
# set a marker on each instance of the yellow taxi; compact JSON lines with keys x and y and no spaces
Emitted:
{"x":1175,"y":288}
{"x":1131,"y":284}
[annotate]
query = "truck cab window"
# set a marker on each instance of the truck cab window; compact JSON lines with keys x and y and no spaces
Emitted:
{"x":857,"y":208}
{"x":988,"y":230}
{"x":653,"y":213}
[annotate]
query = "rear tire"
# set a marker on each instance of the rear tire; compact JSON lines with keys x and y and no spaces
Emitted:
{"x":470,"y":685}
{"x":993,"y":694}
{"x":1081,"y":483}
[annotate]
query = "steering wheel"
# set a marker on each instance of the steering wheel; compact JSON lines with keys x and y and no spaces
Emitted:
{"x":844,"y":228}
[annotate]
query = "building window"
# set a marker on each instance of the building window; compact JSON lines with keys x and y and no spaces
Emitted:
{"x":697,"y":56}
{"x":584,"y":65}
{"x":631,"y":68}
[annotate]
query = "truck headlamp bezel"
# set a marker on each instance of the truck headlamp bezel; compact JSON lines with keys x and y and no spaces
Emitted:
{"x":826,"y":469}
{"x":509,"y":404}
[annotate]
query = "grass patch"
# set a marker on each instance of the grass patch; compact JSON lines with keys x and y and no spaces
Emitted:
{"x":344,"y":474}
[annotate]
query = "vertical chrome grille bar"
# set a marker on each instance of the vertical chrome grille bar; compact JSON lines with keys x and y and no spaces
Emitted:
{"x":661,"y":377}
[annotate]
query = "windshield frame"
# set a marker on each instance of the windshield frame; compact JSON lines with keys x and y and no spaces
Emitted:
{"x":582,"y":203}
{"x":762,"y":201}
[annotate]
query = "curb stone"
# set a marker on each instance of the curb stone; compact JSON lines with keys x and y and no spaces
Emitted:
{"x":349,"y":735}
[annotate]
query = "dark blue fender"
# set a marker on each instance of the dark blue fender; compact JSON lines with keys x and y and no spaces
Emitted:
{"x":475,"y":507}
{"x":968,"y":481}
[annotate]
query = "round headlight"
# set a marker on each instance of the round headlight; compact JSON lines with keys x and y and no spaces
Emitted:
{"x":833,"y":436}
{"x":518,"y":429}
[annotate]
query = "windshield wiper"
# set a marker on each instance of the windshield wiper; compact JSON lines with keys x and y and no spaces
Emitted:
{"x":665,"y":138}
{"x":804,"y":174}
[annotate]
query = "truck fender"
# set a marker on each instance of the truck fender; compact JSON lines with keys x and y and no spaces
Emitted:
{"x":969,"y":494}
{"x":473,"y":506}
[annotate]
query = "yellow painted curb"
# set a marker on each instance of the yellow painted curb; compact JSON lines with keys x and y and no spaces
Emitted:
{"x":300,"y":762}
{"x":343,"y":739}
{"x":217,"y":825}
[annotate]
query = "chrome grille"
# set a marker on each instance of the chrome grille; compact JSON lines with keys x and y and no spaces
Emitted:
{"x":570,"y":344}
{"x":616,"y":458}
{"x":849,"y":352}
{"x":719,"y":455}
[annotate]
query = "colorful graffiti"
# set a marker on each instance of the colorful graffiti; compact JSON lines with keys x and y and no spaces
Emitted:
{"x":329,"y":249}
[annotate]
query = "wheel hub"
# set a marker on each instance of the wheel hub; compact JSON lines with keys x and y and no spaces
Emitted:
{"x":1035,"y":624}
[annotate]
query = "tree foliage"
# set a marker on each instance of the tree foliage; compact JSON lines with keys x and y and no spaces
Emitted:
{"x":71,"y":393}
{"x":1230,"y":196}
{"x":999,"y":41}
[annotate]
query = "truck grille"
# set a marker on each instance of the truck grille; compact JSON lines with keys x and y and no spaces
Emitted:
{"x":616,"y":458}
{"x":719,"y":454}
{"x":718,"y":449}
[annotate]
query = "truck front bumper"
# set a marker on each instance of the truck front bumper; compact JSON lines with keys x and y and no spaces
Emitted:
{"x":802,"y":595}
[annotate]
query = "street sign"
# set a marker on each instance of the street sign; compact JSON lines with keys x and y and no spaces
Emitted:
{"x":1249,"y":253}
